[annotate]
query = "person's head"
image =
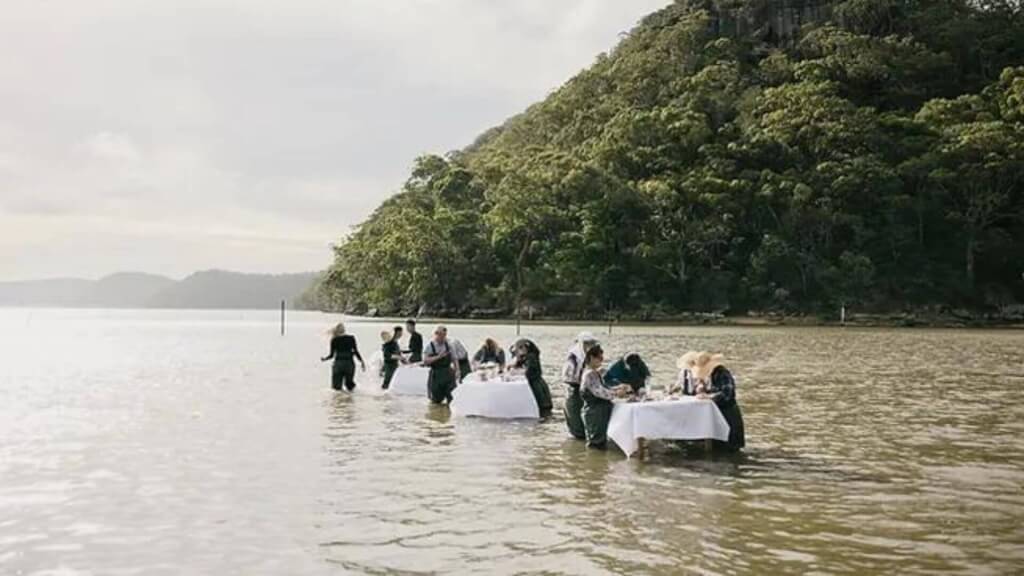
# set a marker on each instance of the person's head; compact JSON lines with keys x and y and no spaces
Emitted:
{"x":595,"y":356}
{"x":338,"y":330}
{"x":586,"y":340}
{"x":410,"y":325}
{"x":440,"y":333}
{"x":523,"y":347}
{"x":491,"y":344}
{"x":398,"y":333}
{"x":386,"y":336}
{"x":636,"y":364}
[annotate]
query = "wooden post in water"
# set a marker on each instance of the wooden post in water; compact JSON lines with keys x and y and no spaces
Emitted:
{"x":282,"y":317}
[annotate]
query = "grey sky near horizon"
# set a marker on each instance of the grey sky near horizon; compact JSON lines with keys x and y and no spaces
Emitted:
{"x":169,"y":137}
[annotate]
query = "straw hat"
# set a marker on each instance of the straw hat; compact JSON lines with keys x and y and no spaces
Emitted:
{"x":705,"y":363}
{"x":686,"y":361}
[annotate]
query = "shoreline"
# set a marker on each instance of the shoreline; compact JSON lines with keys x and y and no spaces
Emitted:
{"x":903,"y":321}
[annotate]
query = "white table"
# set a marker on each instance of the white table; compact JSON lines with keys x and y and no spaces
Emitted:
{"x":685,"y":419}
{"x":410,"y":381}
{"x":495,"y":398}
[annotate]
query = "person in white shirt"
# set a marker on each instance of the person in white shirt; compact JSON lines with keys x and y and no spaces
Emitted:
{"x":597,"y":399}
{"x":572,"y":372}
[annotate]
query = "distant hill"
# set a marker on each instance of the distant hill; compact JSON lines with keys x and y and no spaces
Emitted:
{"x":222,"y":289}
{"x":207,"y":289}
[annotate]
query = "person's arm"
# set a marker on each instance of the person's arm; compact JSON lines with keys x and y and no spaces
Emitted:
{"x":723,"y":386}
{"x":592,"y":382}
{"x":331,"y":355}
{"x":501,"y":360}
{"x":569,"y":370}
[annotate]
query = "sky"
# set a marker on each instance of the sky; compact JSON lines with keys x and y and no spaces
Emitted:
{"x":175,"y":136}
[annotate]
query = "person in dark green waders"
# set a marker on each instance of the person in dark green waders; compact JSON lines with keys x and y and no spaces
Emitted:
{"x":572,"y":372}
{"x":715,"y":382}
{"x":527,"y":357}
{"x":630,"y":369}
{"x":444,"y":369}
{"x":597,"y":399}
{"x":345,"y":352}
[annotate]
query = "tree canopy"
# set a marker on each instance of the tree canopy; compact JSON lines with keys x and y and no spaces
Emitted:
{"x":872,"y":157}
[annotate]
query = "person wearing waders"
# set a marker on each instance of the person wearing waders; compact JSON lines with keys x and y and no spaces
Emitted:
{"x":415,"y":342}
{"x":597,"y":399}
{"x":344,"y":352}
{"x":444,"y":369}
{"x":572,"y":372}
{"x":527,"y":357}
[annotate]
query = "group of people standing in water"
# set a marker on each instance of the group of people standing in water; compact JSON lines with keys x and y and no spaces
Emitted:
{"x":590,"y":390}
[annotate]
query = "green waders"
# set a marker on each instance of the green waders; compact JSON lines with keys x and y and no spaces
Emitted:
{"x":574,"y":412}
{"x":442,"y":383}
{"x":596,"y":414}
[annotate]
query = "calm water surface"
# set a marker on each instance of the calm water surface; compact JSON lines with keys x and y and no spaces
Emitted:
{"x":158,"y":442}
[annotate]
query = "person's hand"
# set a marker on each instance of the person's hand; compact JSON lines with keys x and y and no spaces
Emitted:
{"x":363,"y":364}
{"x":323,"y":358}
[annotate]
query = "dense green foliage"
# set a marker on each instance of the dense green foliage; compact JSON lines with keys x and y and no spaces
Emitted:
{"x":875,"y":159}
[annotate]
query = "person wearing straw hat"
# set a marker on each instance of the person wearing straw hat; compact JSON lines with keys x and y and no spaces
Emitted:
{"x":684,"y":382}
{"x":344,"y":351}
{"x":527,"y":356}
{"x":572,"y":374}
{"x":444,"y":368}
{"x":714,"y":381}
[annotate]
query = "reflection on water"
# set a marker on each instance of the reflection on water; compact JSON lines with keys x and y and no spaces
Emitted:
{"x":203,"y":442}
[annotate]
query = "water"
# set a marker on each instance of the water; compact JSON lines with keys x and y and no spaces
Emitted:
{"x":159,"y":442}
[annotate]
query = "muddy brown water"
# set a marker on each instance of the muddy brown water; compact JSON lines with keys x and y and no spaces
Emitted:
{"x":159,"y":442}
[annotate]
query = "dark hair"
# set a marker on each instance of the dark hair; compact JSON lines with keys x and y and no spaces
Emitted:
{"x":634,"y":362}
{"x":594,"y":352}
{"x":399,"y":329}
{"x":410,"y":322}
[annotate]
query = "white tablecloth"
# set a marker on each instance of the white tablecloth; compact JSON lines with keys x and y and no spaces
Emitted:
{"x":410,"y":381}
{"x":683,"y":419}
{"x":495,"y":399}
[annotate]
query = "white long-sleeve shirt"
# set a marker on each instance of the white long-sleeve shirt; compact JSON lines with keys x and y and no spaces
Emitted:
{"x":593,"y":382}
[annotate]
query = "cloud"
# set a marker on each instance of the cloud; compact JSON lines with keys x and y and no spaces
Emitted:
{"x":129,"y":127}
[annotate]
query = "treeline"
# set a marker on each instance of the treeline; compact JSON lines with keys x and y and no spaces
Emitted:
{"x":875,"y":158}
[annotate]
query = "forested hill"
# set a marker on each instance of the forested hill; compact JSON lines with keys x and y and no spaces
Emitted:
{"x":732,"y":156}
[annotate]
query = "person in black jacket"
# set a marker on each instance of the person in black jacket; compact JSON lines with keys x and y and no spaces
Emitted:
{"x":391,"y":352}
{"x":527,"y":357}
{"x":415,"y":342}
{"x":344,"y":351}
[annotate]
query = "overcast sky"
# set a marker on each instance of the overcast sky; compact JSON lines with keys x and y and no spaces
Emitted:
{"x":170,"y":136}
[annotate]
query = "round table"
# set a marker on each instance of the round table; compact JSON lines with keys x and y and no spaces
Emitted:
{"x":410,"y":381}
{"x":686,"y":418}
{"x":495,"y":398}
